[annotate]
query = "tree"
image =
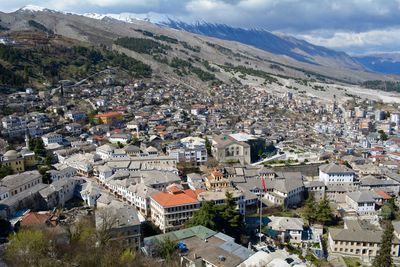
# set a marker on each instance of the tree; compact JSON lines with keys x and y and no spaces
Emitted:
{"x":47,"y":160}
{"x":204,"y":216}
{"x":231,"y":221}
{"x":386,"y":213}
{"x":10,"y":146}
{"x":324,"y":212}
{"x":382,"y":135}
{"x":167,"y":248}
{"x":27,"y":248}
{"x":208,"y":146}
{"x":310,"y":208}
{"x":384,"y":258}
{"x":223,"y":218}
{"x":46,"y":178}
{"x":5,"y":170}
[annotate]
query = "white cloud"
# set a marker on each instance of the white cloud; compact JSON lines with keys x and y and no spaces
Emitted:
{"x":357,"y":41}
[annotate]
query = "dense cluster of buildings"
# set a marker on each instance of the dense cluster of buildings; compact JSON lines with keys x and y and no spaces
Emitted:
{"x":156,"y":152}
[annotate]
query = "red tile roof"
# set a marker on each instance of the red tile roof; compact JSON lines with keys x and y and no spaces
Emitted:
{"x":170,"y":200}
{"x":34,"y":218}
{"x":383,"y":194}
{"x":109,"y":114}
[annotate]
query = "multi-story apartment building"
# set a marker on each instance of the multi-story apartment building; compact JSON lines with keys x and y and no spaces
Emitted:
{"x":334,"y":174}
{"x":363,"y":202}
{"x":190,"y":149}
{"x":52,"y":138}
{"x":171,"y":209}
{"x":227,"y":149}
{"x":122,"y":223}
{"x":18,"y":183}
{"x":356,"y":241}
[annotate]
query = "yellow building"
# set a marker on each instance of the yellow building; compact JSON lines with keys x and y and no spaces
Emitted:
{"x":216,"y":180}
{"x":109,"y":117}
{"x":18,"y":161}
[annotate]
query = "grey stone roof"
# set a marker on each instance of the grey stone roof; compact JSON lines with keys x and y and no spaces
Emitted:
{"x":141,"y":190}
{"x":314,"y":184}
{"x":353,"y":235}
{"x":334,"y":168}
{"x":225,"y":140}
{"x":363,"y":196}
{"x":16,"y":180}
{"x":286,"y":223}
{"x":125,"y":215}
{"x":373,"y":181}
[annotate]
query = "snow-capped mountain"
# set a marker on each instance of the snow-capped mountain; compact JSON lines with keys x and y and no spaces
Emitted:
{"x":274,"y":43}
{"x":152,"y":17}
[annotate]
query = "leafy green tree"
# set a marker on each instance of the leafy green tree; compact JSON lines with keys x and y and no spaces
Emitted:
{"x":205,"y":216}
{"x":324,"y":212}
{"x":223,"y":218}
{"x":310,"y":208}
{"x":208,"y":146}
{"x":46,"y":178}
{"x":36,"y":145}
{"x":10,"y":146}
{"x":167,"y":249}
{"x":27,"y":248}
{"x":48,"y":160}
{"x":386,"y":212}
{"x":384,"y":258}
{"x":127,"y":258}
{"x":5,"y":170}
{"x":382,"y":135}
{"x":231,"y":220}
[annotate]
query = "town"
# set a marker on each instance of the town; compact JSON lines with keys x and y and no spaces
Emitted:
{"x":229,"y":176}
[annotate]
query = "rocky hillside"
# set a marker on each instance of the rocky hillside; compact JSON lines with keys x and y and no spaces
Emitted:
{"x":194,"y":59}
{"x":277,"y":44}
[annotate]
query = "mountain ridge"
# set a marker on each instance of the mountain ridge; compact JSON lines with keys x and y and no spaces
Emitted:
{"x":190,"y":57}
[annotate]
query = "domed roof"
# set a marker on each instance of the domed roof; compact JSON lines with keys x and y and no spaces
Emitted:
{"x":11,"y":154}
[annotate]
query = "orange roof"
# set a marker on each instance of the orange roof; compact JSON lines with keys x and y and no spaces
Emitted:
{"x":160,"y":127}
{"x":109,"y":114}
{"x":194,"y":193}
{"x":34,"y":218}
{"x":383,"y":194}
{"x":171,"y":200}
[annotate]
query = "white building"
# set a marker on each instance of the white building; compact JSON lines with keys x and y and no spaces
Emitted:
{"x":190,"y":149}
{"x":287,"y":229}
{"x":105,"y":151}
{"x":334,"y":174}
{"x":52,"y":138}
{"x":57,"y":175}
{"x":363,"y":202}
{"x":122,"y":138}
{"x":90,"y":193}
{"x":139,"y":196}
{"x":170,"y":210}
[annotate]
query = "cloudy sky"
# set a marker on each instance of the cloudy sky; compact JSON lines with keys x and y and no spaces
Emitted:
{"x":354,"y":26}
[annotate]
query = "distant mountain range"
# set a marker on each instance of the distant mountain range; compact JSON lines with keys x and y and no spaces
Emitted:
{"x":278,"y":44}
{"x":273,"y":43}
{"x":384,"y":62}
